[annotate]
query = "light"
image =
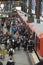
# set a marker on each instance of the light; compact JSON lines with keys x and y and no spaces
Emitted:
{"x":18,"y":8}
{"x":11,"y":49}
{"x":2,"y":6}
{"x":7,"y":15}
{"x":13,"y":40}
{"x":0,"y":14}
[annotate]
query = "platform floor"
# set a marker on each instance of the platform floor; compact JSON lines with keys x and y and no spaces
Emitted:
{"x":20,"y":58}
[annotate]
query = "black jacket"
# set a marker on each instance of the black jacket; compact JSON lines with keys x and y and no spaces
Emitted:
{"x":10,"y":62}
{"x":1,"y":63}
{"x":40,"y":63}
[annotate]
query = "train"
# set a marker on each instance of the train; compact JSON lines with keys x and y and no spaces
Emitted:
{"x":36,"y":29}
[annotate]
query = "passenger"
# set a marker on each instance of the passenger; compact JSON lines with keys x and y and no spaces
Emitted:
{"x":18,"y":43}
{"x":25,"y":43}
{"x":1,"y":63}
{"x":8,"y":43}
{"x":40,"y":63}
{"x":11,"y":52}
{"x":31,"y":44}
{"x":13,"y":42}
{"x":3,"y":51}
{"x":8,"y":27}
{"x":2,"y":24}
{"x":15,"y":29}
{"x":5,"y":42}
{"x":0,"y":51}
{"x":10,"y":62}
{"x":22,"y":40}
{"x":14,"y":45}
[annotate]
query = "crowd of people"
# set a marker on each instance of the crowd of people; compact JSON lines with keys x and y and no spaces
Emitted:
{"x":20,"y":36}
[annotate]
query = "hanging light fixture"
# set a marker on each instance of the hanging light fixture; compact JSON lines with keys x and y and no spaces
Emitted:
{"x":2,"y":6}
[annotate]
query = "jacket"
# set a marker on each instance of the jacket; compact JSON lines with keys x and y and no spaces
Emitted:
{"x":10,"y":62}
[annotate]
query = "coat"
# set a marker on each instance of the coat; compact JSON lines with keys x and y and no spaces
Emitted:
{"x":1,"y":63}
{"x":10,"y":62}
{"x":40,"y":63}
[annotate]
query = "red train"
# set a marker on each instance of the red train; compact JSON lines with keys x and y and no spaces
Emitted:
{"x":37,"y":29}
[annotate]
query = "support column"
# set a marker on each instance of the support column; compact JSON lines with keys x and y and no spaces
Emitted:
{"x":38,"y":10}
{"x":23,"y":6}
{"x":30,"y":6}
{"x":30,"y":18}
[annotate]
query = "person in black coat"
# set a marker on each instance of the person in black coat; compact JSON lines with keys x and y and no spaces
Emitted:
{"x":40,"y":63}
{"x":1,"y":63}
{"x":10,"y":62}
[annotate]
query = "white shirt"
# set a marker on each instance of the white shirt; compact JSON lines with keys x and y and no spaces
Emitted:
{"x":11,"y":49}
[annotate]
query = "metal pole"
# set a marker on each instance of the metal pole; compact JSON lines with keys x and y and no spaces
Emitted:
{"x":38,"y":10}
{"x":30,"y":18}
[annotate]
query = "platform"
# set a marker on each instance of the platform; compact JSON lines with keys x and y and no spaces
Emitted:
{"x":20,"y":58}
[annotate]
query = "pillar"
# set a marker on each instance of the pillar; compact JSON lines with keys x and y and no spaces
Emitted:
{"x":38,"y":10}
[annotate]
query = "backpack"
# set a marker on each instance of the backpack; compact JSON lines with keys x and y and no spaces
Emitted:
{"x":10,"y":52}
